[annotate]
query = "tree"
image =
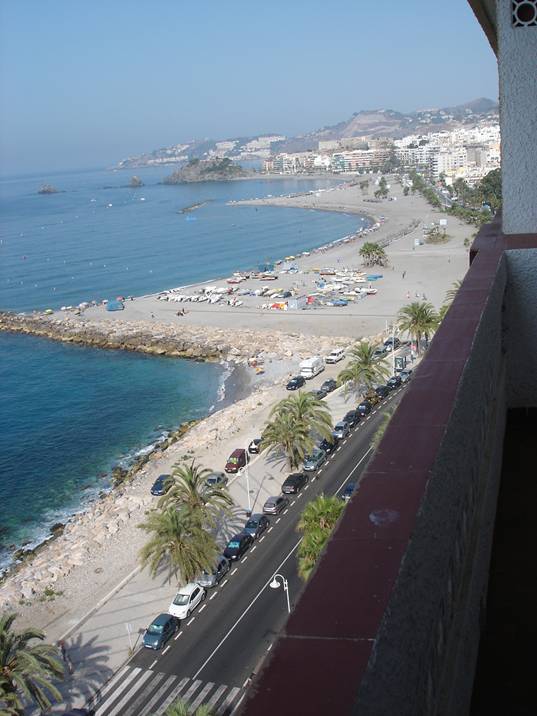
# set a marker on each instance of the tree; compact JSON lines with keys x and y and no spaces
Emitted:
{"x":452,"y":292}
{"x":285,"y":434}
{"x":187,"y":489}
{"x":418,"y":319}
{"x":26,"y":669}
{"x":379,"y":432}
{"x":490,"y":189}
{"x":363,"y":369}
{"x":373,"y":255}
{"x":178,"y":541}
{"x":181,"y":708}
{"x":382,"y":191}
{"x":316,"y":524}
{"x":309,"y":410}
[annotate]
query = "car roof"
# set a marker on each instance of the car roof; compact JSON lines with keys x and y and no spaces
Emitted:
{"x":188,"y":588}
{"x":161,"y":619}
{"x":237,"y":537}
{"x":237,"y":452}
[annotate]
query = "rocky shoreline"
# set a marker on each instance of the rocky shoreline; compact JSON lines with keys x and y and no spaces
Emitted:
{"x":201,"y":343}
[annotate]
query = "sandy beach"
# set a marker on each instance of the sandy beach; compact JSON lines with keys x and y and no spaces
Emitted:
{"x":98,"y":548}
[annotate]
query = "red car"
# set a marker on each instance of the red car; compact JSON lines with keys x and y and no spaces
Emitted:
{"x":237,"y":460}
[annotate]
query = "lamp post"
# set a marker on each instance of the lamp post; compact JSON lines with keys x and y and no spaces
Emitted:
{"x":284,"y":583}
{"x":247,"y":470}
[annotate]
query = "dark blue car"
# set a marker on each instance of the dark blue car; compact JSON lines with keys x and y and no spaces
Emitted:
{"x":159,"y":631}
{"x":159,"y":488}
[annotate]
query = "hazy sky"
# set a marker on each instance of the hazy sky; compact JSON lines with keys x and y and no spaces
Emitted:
{"x":85,"y":83}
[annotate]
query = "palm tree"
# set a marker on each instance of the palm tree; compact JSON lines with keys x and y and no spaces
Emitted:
{"x":308,"y":409}
{"x":286,"y":434}
{"x":452,"y":292}
{"x":179,"y":541}
{"x":187,"y":489}
{"x":372,"y":254}
{"x":418,"y":319}
{"x":363,"y":369}
{"x":26,"y":670}
{"x":181,"y":708}
{"x":379,"y":432}
{"x":316,"y":523}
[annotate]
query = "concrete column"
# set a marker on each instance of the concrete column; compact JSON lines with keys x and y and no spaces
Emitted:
{"x":517,"y":66}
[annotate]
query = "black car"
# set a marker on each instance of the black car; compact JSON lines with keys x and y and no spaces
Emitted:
{"x":380,"y":352}
{"x":238,"y":545}
{"x":256,"y":525}
{"x":364,"y":408}
{"x":382,"y":391}
{"x":348,"y":492}
{"x":159,"y":487}
{"x":394,"y":382}
{"x":296,"y":383}
{"x":294,"y":483}
{"x":352,"y":418}
{"x":253,"y":447}
{"x":329,"y":385}
{"x":319,"y":394}
{"x":392,"y":344}
{"x":328,"y":445}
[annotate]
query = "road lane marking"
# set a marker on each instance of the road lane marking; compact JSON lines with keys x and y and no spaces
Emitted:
{"x":245,"y":612}
{"x":190,"y":620}
{"x":269,"y":647}
{"x":262,"y":538}
{"x":199,"y":698}
{"x":298,"y":497}
{"x":292,"y":503}
{"x":233,"y":572}
{"x":166,"y":649}
{"x":215,"y":697}
{"x":306,"y":487}
{"x":239,"y":702}
{"x":117,"y":708}
{"x":345,"y":441}
{"x":153,"y":664}
{"x":224,"y":583}
{"x":244,"y":560}
{"x":253,"y":548}
{"x":172,"y":696}
{"x":177,"y":635}
{"x":213,"y":595}
{"x":202,"y":608}
{"x":286,"y":511}
{"x":270,"y":529}
{"x":279,"y":518}
{"x":338,"y":448}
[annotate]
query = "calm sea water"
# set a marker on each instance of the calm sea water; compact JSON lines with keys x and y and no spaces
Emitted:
{"x":70,"y":413}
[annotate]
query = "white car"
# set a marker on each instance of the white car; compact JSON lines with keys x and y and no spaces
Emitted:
{"x":186,"y":600}
{"x":335,"y":356}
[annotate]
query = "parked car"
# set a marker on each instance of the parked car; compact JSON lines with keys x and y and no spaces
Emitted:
{"x":352,"y":418}
{"x":237,"y":460}
{"x":186,"y":600}
{"x":253,"y":447}
{"x":159,"y":631}
{"x":314,"y":461}
{"x":335,"y":355}
{"x":211,"y":579}
{"x":341,"y":430}
{"x":256,"y":525}
{"x":294,"y":483}
{"x":364,"y":408}
{"x":348,"y":492}
{"x":238,"y":545}
{"x":275,"y":505}
{"x":382,"y":391}
{"x":380,"y":352}
{"x":405,"y":375}
{"x":216,"y":479}
{"x":372,"y":396}
{"x":392,"y":344}
{"x":394,"y":382}
{"x":319,"y":393}
{"x":296,"y":383}
{"x":329,"y":385}
{"x":328,"y":445}
{"x":159,"y":486}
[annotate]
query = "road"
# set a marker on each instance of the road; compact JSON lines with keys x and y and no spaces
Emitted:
{"x":212,"y":657}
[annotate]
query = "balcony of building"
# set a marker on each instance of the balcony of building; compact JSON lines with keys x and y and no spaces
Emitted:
{"x":435,"y":614}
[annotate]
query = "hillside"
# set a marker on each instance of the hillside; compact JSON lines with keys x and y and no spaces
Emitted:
{"x":207,"y":170}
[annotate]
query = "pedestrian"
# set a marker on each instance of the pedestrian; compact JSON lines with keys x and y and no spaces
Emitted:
{"x":152,"y":315}
{"x":404,"y":274}
{"x":65,"y":656}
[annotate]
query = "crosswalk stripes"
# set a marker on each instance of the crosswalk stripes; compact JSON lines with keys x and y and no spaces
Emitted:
{"x":137,"y":692}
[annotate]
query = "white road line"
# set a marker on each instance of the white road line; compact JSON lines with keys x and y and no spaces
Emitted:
{"x":245,"y":558}
{"x":153,"y":664}
{"x":166,"y":649}
{"x":235,"y":570}
{"x":245,"y":612}
{"x":172,"y":696}
{"x":199,"y":698}
{"x":113,"y":681}
{"x":338,"y":448}
{"x":253,"y":548}
{"x":239,"y":702}
{"x":269,"y":647}
{"x":224,"y":708}
{"x":297,"y":497}
{"x":177,"y":635}
{"x":292,"y":503}
{"x":140,"y":680}
{"x":262,"y":538}
{"x":213,"y":595}
{"x":286,"y":511}
{"x":190,"y":693}
{"x":224,"y":583}
{"x":134,"y":708}
{"x":190,"y":621}
{"x":214,"y":698}
{"x":270,"y":529}
{"x":306,"y":487}
{"x":279,"y":518}
{"x":345,"y":441}
{"x":246,"y":683}
{"x":202,"y":608}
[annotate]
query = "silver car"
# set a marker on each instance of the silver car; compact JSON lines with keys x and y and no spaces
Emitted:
{"x":216,"y":479}
{"x":314,"y":461}
{"x":274,"y":505}
{"x":211,"y":579}
{"x":341,"y":430}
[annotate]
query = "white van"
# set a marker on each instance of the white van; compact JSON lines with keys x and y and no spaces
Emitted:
{"x":311,"y":367}
{"x":335,"y":356}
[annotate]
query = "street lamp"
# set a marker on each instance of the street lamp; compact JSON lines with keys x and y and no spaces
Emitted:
{"x":246,"y":468}
{"x":284,"y":583}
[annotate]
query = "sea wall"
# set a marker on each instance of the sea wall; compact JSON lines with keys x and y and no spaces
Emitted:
{"x":163,"y":339}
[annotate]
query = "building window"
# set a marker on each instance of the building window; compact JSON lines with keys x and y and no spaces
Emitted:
{"x":524,"y":13}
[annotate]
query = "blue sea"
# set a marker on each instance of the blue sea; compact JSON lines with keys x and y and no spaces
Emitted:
{"x":71,"y":413}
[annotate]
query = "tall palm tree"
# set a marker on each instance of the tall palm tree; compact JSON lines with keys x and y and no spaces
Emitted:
{"x":316,"y":523}
{"x":379,"y":432}
{"x":187,"y":488}
{"x":452,"y":292}
{"x":178,"y":541}
{"x":309,"y":550}
{"x":418,"y":319}
{"x":181,"y":708}
{"x":286,"y":434}
{"x":308,"y":409}
{"x":363,"y":369}
{"x":27,"y":670}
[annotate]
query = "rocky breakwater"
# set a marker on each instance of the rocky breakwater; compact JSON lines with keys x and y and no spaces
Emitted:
{"x":163,"y":339}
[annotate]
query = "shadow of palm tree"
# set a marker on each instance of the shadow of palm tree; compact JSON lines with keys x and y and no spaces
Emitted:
{"x":229,"y":523}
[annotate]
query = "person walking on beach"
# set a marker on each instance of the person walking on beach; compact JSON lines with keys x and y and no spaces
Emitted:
{"x":65,"y":656}
{"x":403,"y":276}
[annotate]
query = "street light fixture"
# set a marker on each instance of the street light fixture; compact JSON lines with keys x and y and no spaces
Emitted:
{"x":285,"y":584}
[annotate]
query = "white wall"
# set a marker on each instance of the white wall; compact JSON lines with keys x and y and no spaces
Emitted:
{"x":517,"y":62}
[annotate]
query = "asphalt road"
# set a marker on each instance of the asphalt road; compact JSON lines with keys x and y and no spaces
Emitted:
{"x":229,"y":634}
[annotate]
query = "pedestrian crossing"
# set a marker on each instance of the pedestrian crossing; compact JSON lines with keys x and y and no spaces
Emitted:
{"x":137,"y":692}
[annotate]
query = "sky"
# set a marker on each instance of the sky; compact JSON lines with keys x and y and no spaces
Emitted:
{"x":85,"y":84}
